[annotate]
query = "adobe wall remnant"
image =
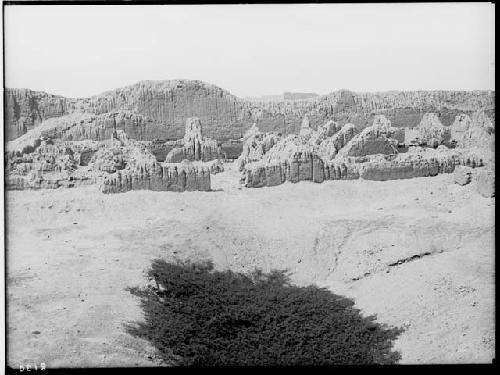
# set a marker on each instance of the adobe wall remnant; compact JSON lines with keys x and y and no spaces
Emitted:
{"x":158,"y":177}
{"x":430,"y":132}
{"x":49,"y":166}
{"x":371,"y":155}
{"x":195,"y":146}
{"x":329,"y":147}
{"x":375,"y":139}
{"x":300,"y":167}
{"x":144,"y":172}
{"x":477,"y":131}
{"x":161,"y":108}
{"x":486,"y":182}
{"x":117,"y":164}
{"x":255,"y":145}
{"x":305,"y":127}
{"x":462,"y":175}
{"x":332,"y":140}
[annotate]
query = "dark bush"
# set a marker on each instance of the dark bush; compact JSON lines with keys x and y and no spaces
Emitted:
{"x":205,"y":317}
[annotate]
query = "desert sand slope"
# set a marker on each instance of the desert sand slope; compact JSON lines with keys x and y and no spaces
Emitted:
{"x":418,"y":253}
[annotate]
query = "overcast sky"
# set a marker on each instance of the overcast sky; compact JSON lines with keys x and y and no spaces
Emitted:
{"x":251,"y":50}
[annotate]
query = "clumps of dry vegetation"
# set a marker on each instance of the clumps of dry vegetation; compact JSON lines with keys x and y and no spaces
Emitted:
{"x":196,"y":315}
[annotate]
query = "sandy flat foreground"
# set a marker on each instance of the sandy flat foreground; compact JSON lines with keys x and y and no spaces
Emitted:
{"x":417,"y":253}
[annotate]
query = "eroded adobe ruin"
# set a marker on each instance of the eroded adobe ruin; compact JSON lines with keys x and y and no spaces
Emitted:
{"x":129,"y":139}
{"x":371,"y":154}
{"x":117,"y":164}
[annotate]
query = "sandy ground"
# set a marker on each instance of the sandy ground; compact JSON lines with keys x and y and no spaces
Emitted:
{"x":417,"y":253}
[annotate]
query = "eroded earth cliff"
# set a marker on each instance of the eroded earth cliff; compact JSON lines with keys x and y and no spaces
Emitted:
{"x":158,"y":109}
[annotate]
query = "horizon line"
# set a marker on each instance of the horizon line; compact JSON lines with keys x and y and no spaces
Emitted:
{"x":257,"y":96}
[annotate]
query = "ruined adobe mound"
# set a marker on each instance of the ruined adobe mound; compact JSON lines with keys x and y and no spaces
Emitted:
{"x":486,"y":182}
{"x":195,"y":146}
{"x":375,"y":139}
{"x":117,"y":164}
{"x":161,"y":108}
{"x":477,"y":131}
{"x":144,"y":172}
{"x":255,"y":145}
{"x":429,"y":132}
{"x":372,"y":154}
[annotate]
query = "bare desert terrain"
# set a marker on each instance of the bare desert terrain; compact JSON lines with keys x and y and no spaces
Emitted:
{"x":418,"y":253}
{"x":187,"y":187}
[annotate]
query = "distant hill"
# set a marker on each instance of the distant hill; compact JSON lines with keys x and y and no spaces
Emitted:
{"x":299,"y":95}
{"x":264,"y":98}
{"x":151,"y":110}
{"x":281,"y":97}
